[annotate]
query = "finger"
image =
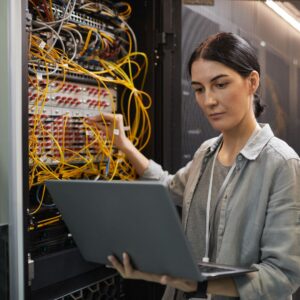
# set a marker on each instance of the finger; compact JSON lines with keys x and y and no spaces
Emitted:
{"x":136,"y":274}
{"x":113,"y":119}
{"x":93,"y":119}
{"x":102,"y":116}
{"x":153,"y":277}
{"x":109,"y":116}
{"x":127,"y":265}
{"x":164,"y":280}
{"x":102,"y":127}
{"x":117,"y":265}
{"x":110,"y":266}
{"x":179,"y":283}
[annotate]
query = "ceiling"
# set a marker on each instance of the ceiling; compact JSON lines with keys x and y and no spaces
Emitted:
{"x":292,"y":7}
{"x":296,"y":3}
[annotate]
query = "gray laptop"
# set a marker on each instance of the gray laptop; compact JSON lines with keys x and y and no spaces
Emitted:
{"x":136,"y":217}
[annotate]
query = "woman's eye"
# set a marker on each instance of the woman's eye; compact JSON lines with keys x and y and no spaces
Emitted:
{"x":221,"y":85}
{"x":198,"y":90}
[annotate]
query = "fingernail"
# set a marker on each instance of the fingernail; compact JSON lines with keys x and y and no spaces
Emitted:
{"x":110,"y":258}
{"x":124,"y":255}
{"x":163,"y":280}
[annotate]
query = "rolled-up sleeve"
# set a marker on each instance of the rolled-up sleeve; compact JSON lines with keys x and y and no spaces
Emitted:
{"x":176,"y":183}
{"x":278,"y":273}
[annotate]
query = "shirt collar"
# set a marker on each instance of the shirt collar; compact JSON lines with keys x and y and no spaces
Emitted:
{"x":256,"y":143}
{"x":213,"y":145}
{"x":253,"y":147}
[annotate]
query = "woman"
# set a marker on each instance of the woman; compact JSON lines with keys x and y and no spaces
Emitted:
{"x":246,"y":181}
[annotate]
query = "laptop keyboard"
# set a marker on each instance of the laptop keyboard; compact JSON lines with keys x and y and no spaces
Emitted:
{"x":210,"y":269}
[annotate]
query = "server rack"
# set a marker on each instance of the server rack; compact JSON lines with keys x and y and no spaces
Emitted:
{"x":63,"y":274}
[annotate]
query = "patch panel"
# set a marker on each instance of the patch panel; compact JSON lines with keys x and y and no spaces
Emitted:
{"x":81,"y":98}
{"x":82,"y":19}
{"x":56,"y":114}
{"x":61,"y":138}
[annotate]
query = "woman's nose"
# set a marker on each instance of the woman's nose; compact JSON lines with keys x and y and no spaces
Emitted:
{"x":210,"y":99}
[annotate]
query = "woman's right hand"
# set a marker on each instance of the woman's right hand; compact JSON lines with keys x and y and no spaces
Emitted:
{"x":113,"y":126}
{"x":126,"y":270}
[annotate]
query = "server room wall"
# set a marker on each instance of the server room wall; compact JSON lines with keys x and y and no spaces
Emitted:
{"x":278,"y":54}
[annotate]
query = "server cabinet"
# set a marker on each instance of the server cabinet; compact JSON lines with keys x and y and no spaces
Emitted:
{"x":50,"y":95}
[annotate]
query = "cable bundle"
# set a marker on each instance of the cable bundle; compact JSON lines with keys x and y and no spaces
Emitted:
{"x":65,"y":42}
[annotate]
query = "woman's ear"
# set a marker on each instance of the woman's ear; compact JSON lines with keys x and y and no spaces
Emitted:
{"x":254,"y":81}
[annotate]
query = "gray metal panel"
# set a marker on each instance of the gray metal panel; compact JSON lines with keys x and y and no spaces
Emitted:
{"x":15,"y":174}
{"x":11,"y":211}
{"x":4,"y":152}
{"x":195,"y":127}
{"x":4,"y":121}
{"x":277,"y":94}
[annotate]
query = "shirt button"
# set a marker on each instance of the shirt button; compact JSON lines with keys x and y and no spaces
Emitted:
{"x":240,"y":157}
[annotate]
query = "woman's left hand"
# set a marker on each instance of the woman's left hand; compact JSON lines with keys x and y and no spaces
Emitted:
{"x":128,"y":272}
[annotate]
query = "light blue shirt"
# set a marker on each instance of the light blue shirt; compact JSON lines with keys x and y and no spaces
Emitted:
{"x":259,"y":221}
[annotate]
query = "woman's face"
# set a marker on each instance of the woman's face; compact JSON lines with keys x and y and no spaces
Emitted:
{"x":225,"y":97}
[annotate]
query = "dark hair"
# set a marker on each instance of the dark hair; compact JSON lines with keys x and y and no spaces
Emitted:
{"x":232,"y":51}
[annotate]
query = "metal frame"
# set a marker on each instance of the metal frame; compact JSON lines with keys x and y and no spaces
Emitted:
{"x":157,"y":25}
{"x":16,"y":61}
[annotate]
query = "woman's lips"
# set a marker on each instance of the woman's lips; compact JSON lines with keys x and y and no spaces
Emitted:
{"x":216,"y":115}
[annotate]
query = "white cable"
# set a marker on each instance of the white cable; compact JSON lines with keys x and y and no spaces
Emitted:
{"x":92,"y":44}
{"x":65,"y":18}
{"x":208,"y":204}
{"x":74,"y":42}
{"x":207,"y":229}
{"x":77,"y":32}
{"x":62,"y":22}
{"x":54,"y":31}
{"x":133,"y":36}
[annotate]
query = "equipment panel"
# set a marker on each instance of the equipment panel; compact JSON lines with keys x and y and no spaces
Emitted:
{"x":83,"y":61}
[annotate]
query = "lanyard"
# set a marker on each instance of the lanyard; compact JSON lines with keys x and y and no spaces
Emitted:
{"x":224,"y":184}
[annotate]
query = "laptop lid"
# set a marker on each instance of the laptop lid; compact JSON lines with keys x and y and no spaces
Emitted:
{"x":137,"y":217}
